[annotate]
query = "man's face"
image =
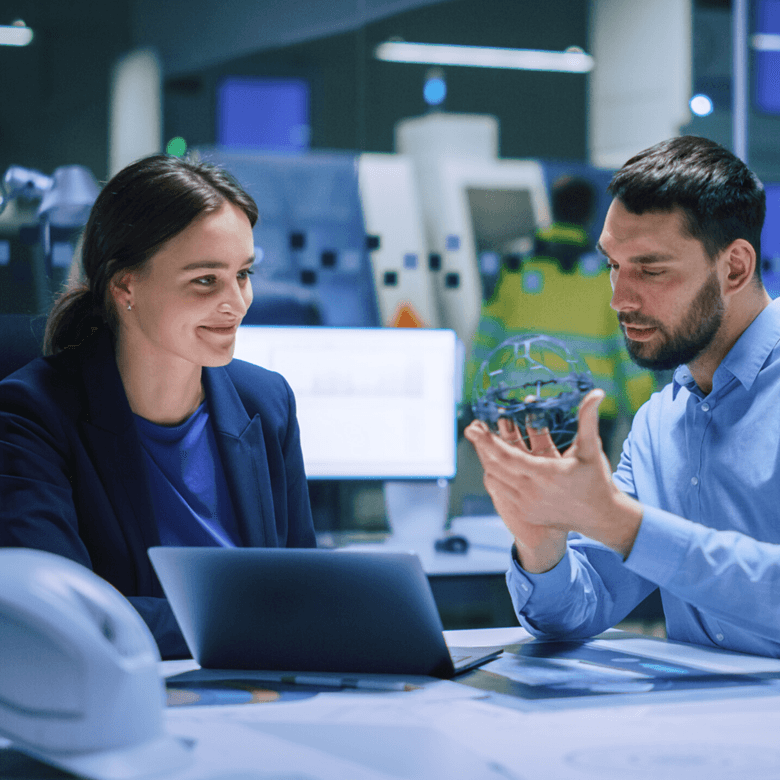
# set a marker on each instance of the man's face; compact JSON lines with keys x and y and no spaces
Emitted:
{"x":665,"y":289}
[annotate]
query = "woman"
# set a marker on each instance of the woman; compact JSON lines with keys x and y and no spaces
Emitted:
{"x":137,"y":429}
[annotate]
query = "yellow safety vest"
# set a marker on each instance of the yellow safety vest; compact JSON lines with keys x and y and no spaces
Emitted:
{"x":573,"y":307}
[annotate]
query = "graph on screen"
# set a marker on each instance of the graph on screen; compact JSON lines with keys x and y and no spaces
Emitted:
{"x":372,"y":403}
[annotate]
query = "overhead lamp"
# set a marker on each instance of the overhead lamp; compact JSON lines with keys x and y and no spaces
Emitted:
{"x":16,"y":34}
{"x":573,"y":60}
{"x":434,"y":87}
{"x":765,"y":42}
{"x":701,"y":105}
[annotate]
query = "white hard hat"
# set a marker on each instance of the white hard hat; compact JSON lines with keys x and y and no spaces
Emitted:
{"x":79,"y":682}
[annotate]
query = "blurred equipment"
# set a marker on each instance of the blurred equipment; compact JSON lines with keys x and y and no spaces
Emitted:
{"x":405,"y":273}
{"x":66,"y":196}
{"x":533,"y":380}
{"x":65,"y":199}
{"x":79,"y":683}
{"x":312,"y":253}
{"x":477,"y":209}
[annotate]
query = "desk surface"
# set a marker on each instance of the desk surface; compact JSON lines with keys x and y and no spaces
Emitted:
{"x":447,"y":729}
{"x":488,"y":551}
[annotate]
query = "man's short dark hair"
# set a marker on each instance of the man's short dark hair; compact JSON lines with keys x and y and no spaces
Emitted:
{"x":720,"y":197}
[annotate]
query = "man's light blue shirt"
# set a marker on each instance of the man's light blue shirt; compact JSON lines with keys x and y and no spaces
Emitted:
{"x":707,"y":470}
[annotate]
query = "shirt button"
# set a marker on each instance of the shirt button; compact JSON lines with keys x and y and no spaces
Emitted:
{"x":705,"y":407}
{"x":525,"y":586}
{"x":694,"y":480}
{"x":719,"y":637}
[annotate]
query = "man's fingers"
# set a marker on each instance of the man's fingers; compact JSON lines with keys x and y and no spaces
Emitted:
{"x":541,"y":442}
{"x":494,"y":453}
{"x":588,"y":441}
{"x":510,"y":433}
{"x":475,"y":431}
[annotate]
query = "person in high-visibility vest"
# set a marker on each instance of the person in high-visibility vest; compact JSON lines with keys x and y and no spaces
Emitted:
{"x":562,"y":290}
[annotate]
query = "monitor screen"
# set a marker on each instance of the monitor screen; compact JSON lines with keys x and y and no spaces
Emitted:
{"x":263,"y":113}
{"x":770,"y":235}
{"x":500,"y":217}
{"x":770,"y":240}
{"x":372,"y":403}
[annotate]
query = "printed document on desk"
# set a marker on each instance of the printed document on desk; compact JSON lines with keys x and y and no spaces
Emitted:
{"x":617,"y":664}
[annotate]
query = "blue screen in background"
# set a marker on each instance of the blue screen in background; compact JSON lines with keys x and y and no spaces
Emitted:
{"x":271,"y":114}
{"x":770,"y":240}
{"x":767,"y":63}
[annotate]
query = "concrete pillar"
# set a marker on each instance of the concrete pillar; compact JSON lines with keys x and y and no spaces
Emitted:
{"x":641,"y":85}
{"x":135,"y":120}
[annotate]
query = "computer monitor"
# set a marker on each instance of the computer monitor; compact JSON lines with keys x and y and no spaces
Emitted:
{"x":770,"y":240}
{"x":499,"y":217}
{"x":477,"y":210}
{"x":372,"y":403}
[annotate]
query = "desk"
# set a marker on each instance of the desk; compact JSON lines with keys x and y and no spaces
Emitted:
{"x":448,"y":730}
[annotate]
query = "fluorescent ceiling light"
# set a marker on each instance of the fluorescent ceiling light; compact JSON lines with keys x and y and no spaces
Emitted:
{"x":15,"y":35}
{"x":766,"y":42}
{"x":572,"y":61}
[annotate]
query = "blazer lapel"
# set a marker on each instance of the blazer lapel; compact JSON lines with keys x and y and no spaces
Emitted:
{"x":242,"y":448}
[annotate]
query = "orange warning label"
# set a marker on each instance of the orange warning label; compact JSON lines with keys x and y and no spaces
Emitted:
{"x":406,"y":317}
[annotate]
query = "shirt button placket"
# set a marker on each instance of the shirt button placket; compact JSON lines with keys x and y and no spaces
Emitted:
{"x":704,"y":407}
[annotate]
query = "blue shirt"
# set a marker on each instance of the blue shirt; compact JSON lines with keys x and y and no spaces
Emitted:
{"x":189,"y":493}
{"x":707,"y":470}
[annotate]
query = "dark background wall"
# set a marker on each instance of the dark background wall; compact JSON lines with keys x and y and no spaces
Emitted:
{"x":356,"y":100}
{"x":54,"y":94}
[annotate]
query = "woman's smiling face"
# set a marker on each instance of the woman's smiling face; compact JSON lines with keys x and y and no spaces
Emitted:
{"x":190,"y":297}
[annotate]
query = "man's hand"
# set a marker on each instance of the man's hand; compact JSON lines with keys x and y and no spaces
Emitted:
{"x":538,"y":548}
{"x":542,"y":498}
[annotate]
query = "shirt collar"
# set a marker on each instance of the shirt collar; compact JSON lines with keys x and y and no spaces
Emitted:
{"x":682,"y":378}
{"x":745,"y":359}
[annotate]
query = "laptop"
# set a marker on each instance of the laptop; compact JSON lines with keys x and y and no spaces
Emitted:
{"x":309,"y":610}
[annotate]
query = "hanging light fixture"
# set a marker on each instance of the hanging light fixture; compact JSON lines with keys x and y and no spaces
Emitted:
{"x":572,"y":60}
{"x":15,"y":34}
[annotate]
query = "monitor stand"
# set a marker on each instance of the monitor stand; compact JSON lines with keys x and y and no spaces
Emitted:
{"x":417,"y":511}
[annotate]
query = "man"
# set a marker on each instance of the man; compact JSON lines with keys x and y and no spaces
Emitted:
{"x":694,"y":506}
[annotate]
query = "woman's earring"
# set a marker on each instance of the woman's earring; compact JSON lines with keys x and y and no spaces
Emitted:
{"x":129,"y":306}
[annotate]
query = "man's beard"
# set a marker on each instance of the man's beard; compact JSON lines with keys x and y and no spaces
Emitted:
{"x":694,"y":334}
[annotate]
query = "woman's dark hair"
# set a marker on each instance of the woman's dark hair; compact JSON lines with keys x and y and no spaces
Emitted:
{"x":720,"y":197}
{"x":143,"y":206}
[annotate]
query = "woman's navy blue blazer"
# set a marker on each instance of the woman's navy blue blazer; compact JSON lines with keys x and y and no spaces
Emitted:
{"x":73,"y":479}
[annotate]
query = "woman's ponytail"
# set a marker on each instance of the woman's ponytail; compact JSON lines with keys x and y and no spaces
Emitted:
{"x":73,"y":318}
